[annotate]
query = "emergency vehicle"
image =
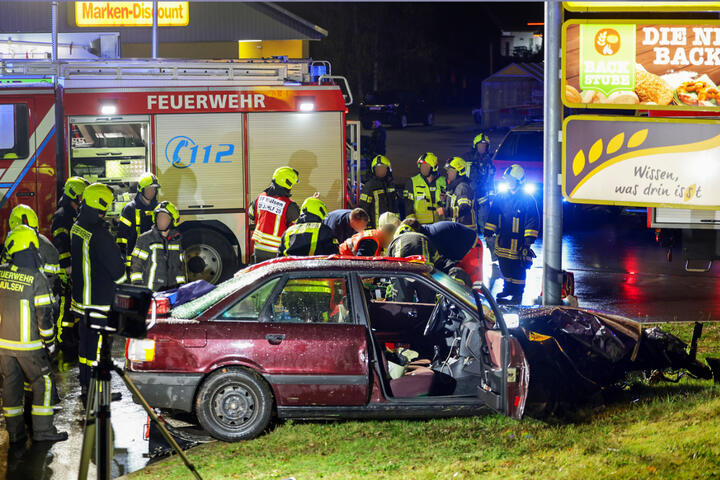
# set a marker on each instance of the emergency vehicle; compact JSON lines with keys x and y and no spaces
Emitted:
{"x":212,"y":131}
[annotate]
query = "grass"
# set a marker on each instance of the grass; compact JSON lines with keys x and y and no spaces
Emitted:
{"x":648,"y":431}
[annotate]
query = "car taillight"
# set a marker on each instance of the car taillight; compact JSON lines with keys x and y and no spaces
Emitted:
{"x":161,"y":305}
{"x":140,"y":350}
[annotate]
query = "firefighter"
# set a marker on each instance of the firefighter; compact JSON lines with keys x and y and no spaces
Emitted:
{"x":26,"y":331}
{"x":50,"y":266}
{"x":378,"y":193}
{"x":514,"y":218}
{"x":409,"y":240}
{"x":157,"y":259}
{"x":369,"y":243}
{"x":481,"y":172}
{"x":136,"y":217}
{"x":273,"y":212}
{"x":345,"y":222}
{"x":62,"y":222}
{"x":453,"y":240}
{"x":459,"y":198}
{"x":97,"y":265}
{"x":309,"y":236}
{"x":424,"y":192}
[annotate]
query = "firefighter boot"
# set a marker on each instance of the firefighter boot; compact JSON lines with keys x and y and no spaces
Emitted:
{"x":50,"y":435}
{"x":517,"y":295}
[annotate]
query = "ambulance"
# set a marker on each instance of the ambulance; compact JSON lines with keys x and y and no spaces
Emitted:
{"x":212,"y":131}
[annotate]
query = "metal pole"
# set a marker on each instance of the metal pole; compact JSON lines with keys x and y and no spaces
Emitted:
{"x":552,"y":199}
{"x":154,"y":31}
{"x":53,"y":14}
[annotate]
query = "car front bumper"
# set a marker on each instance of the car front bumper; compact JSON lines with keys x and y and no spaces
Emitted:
{"x":166,"y":390}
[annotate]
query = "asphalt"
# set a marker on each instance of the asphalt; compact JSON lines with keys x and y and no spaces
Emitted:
{"x":616,"y":264}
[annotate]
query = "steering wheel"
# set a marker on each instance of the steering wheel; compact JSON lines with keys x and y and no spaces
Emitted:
{"x":435,"y":316}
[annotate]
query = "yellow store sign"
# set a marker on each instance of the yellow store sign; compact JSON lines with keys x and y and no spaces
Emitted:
{"x":130,"y":14}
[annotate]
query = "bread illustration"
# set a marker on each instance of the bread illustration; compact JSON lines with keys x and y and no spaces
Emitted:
{"x":593,"y":96}
{"x":623,"y":98}
{"x":651,"y":88}
{"x":572,"y":95}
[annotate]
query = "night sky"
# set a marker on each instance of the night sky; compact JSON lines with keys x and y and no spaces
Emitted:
{"x":440,"y":49}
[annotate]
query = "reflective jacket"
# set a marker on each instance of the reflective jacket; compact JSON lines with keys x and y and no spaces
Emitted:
{"x":409,"y":243}
{"x":459,"y":202}
{"x":97,"y":264}
{"x":158,"y":262}
{"x":482,"y":174}
{"x":62,"y":222}
{"x":272,"y":212}
{"x":136,"y":219}
{"x":309,"y":236}
{"x":514,"y":218}
{"x":25,"y":310}
{"x":50,"y":260}
{"x":423,"y":198}
{"x":363,"y":244}
{"x":378,"y":196}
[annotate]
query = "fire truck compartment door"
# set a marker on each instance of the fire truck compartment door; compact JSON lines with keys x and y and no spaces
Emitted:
{"x":199,"y":160}
{"x":311,"y":143}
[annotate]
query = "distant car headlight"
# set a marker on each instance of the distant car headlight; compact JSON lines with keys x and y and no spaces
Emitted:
{"x":503,"y":187}
{"x":530,"y":188}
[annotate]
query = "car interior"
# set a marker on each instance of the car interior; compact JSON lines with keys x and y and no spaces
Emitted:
{"x":427,"y":343}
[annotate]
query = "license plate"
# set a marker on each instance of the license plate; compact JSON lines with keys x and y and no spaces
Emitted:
{"x":375,"y":108}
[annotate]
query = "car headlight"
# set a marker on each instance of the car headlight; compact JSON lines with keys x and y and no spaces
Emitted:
{"x":512,"y":320}
{"x":530,"y":188}
{"x":503,"y":187}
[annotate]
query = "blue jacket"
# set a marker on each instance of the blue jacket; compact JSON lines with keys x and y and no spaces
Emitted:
{"x":453,"y":240}
{"x":339,"y":223}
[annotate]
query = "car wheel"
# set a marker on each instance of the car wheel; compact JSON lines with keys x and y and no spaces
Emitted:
{"x":209,"y":255}
{"x":429,"y":120}
{"x":234,"y":404}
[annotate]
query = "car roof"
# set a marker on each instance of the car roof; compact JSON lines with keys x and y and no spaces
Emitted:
{"x":340,"y":263}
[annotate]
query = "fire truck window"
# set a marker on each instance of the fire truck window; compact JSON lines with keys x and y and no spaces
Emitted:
{"x":14,"y":138}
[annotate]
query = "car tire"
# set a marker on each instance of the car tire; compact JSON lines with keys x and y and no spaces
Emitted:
{"x":209,"y":255}
{"x":429,"y":120}
{"x":234,"y":404}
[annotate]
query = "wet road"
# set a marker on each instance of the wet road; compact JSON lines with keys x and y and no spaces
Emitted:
{"x":617,"y":268}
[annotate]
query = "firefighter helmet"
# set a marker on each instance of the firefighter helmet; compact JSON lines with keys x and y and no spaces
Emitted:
{"x":515,"y":171}
{"x":74,"y":187}
{"x":380,"y":160}
{"x":170,"y":209}
{"x":286,"y":177}
{"x":23,"y":215}
{"x":99,"y":196}
{"x":428,"y":158}
{"x":315,"y":206}
{"x":21,"y":238}
{"x":389,"y":218}
{"x":480,"y":138}
{"x":147,"y":180}
{"x":458,"y":164}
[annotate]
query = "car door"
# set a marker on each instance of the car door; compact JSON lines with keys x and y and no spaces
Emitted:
{"x":317,"y":352}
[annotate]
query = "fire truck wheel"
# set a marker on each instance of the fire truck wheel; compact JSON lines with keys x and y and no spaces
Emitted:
{"x":209,"y":255}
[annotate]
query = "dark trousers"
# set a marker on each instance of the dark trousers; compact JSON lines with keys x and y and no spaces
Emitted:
{"x":88,"y":352}
{"x":262,"y":255}
{"x":514,"y":274}
{"x":33,"y":367}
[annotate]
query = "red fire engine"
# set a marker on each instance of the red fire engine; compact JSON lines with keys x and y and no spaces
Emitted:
{"x":212,"y":132}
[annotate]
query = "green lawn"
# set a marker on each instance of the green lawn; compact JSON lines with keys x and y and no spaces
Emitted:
{"x":648,"y":431}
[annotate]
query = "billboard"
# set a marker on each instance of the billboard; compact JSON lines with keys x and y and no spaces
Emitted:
{"x":130,"y":14}
{"x":641,"y":64}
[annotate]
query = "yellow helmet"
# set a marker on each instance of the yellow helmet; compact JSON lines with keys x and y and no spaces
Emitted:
{"x":380,"y":160}
{"x":74,"y":187}
{"x":21,"y":238}
{"x":170,"y":209}
{"x":23,"y":215}
{"x":315,"y":206}
{"x":458,"y":164}
{"x":286,"y":177}
{"x":480,"y":138}
{"x":98,"y":196}
{"x":515,"y":171}
{"x":430,"y":159}
{"x":147,"y":180}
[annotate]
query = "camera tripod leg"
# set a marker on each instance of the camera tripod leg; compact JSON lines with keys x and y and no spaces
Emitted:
{"x":133,"y":389}
{"x":88,"y":433}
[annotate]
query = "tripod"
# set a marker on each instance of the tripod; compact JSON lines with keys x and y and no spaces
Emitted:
{"x":97,"y":432}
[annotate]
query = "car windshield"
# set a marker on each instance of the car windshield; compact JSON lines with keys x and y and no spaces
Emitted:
{"x":460,"y":290}
{"x":383,"y":98}
{"x":522,"y":146}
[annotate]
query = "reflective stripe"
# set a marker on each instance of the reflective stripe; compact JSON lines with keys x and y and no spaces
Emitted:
{"x":46,"y":333}
{"x":137,"y":221}
{"x":41,"y":300}
{"x":180,"y":279}
{"x":122,"y":240}
{"x":51,"y":268}
{"x":63,"y":256}
{"x":136,"y":276}
{"x":125,"y":221}
{"x":42,"y":411}
{"x":153,"y":268}
{"x":174,"y":247}
{"x":48,"y":390}
{"x":13,"y":411}
{"x":490,"y":226}
{"x":60,"y":231}
{"x":122,"y":279}
{"x":20,"y":346}
{"x":141,"y":254}
{"x":24,"y":321}
{"x":531,"y":233}
{"x":516,"y":224}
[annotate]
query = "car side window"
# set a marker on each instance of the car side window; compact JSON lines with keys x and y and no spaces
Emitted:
{"x":398,"y":302}
{"x":313,"y":300}
{"x":251,"y":305}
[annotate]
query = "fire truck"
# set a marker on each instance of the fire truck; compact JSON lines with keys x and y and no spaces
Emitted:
{"x":212,"y":131}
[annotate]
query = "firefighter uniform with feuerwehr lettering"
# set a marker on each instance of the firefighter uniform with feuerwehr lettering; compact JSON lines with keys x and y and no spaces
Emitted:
{"x":137,"y":215}
{"x":97,"y":265}
{"x":26,"y":330}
